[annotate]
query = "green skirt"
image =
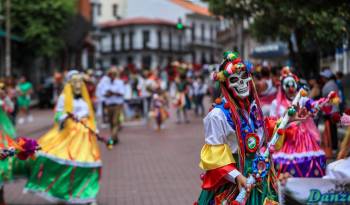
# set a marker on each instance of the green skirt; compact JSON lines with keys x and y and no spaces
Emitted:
{"x":7,"y":165}
{"x":60,"y":182}
{"x":230,"y":190}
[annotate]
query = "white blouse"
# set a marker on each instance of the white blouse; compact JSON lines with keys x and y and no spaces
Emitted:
{"x":80,"y":107}
{"x":218,"y":130}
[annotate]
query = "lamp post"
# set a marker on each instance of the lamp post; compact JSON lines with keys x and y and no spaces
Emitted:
{"x":8,"y":38}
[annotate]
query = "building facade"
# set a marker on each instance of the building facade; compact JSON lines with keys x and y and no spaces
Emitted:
{"x":142,"y":42}
{"x":157,"y":20}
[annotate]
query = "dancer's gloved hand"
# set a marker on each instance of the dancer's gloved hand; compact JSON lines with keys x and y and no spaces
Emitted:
{"x":301,"y":115}
{"x":242,"y":183}
{"x":237,"y":178}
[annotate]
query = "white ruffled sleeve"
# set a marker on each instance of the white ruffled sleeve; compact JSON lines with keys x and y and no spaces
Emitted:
{"x":216,"y":128}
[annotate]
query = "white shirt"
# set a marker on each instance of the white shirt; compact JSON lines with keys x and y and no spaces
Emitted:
{"x":199,"y":88}
{"x":100,"y":88}
{"x":116,"y":86}
{"x":80,"y":107}
{"x":218,"y":130}
{"x":271,"y":89}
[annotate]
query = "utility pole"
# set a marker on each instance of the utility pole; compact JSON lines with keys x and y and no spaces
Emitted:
{"x":8,"y":38}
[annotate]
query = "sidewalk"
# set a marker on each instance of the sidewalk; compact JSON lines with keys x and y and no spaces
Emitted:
{"x":43,"y":120}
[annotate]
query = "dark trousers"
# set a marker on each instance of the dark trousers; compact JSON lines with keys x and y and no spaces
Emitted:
{"x":198,"y":102}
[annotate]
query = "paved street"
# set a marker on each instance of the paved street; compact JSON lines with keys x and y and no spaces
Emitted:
{"x":147,"y":167}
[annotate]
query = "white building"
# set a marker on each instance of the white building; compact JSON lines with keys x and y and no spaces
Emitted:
{"x":198,"y":40}
{"x":107,"y":10}
{"x":143,"y":42}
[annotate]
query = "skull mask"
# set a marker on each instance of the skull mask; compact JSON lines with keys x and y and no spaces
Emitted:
{"x":238,"y":83}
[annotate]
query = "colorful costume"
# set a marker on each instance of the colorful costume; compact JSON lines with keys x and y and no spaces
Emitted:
{"x":158,"y":111}
{"x":300,"y":153}
{"x":7,"y":136}
{"x":69,"y":165}
{"x":23,"y":99}
{"x":234,"y":131}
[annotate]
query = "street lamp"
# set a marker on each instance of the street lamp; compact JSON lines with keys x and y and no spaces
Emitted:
{"x":8,"y":38}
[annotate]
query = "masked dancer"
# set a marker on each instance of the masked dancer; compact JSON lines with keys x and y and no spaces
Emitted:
{"x":234,"y":132}
{"x":67,"y":170}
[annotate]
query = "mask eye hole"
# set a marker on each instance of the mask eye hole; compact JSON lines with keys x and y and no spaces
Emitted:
{"x":234,"y":79}
{"x":244,"y":75}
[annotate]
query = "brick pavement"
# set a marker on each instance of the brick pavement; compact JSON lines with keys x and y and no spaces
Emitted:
{"x":146,"y":168}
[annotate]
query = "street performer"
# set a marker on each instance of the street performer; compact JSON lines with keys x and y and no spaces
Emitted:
{"x":67,"y":169}
{"x":113,"y":92}
{"x":234,"y":132}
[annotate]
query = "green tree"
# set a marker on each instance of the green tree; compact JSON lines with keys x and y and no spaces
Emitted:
{"x":41,"y":23}
{"x":317,"y":25}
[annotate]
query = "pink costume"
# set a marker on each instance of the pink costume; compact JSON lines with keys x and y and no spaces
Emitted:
{"x":300,"y":154}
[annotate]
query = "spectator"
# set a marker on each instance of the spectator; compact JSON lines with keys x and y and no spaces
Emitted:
{"x":330,"y":135}
{"x":24,"y":89}
{"x":315,"y":93}
{"x":339,"y":82}
{"x":199,"y":91}
{"x":181,"y":99}
{"x":266,"y":90}
{"x":12,"y":94}
{"x":114,"y":91}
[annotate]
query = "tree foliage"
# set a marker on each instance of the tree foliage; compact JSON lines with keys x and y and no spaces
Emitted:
{"x":41,"y":23}
{"x":317,"y":25}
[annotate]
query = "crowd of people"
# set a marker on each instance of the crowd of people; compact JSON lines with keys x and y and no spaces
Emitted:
{"x":255,"y":110}
{"x":17,"y":92}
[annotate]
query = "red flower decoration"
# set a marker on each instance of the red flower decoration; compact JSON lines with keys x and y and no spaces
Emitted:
{"x":336,"y":117}
{"x":237,"y":60}
{"x":280,"y":131}
{"x":347,"y":111}
{"x":234,"y":203}
{"x":202,"y":176}
{"x":227,"y":106}
{"x":332,"y":95}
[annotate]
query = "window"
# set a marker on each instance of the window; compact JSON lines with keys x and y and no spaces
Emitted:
{"x":194,"y":57}
{"x":203,"y":32}
{"x":180,"y":42}
{"x":170,"y":41}
{"x":114,"y":61}
{"x":99,"y":9}
{"x":131,"y":40}
{"x":122,"y":41}
{"x":193,"y":32}
{"x":146,"y":62}
{"x":130,"y":60}
{"x":159,"y":39}
{"x":203,"y":58}
{"x":115,"y":10}
{"x":113,"y":42}
{"x":212,"y":33}
{"x":146,"y":39}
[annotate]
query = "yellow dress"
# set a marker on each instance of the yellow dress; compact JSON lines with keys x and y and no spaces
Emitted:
{"x":68,"y":167}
